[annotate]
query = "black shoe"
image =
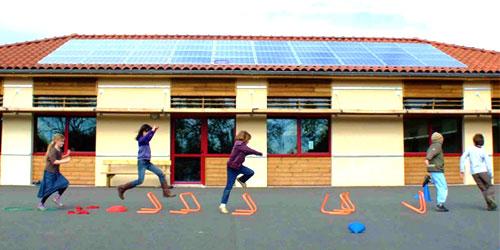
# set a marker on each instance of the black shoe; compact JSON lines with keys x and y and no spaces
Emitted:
{"x":492,"y":206}
{"x":441,"y":208}
{"x":427,"y":179}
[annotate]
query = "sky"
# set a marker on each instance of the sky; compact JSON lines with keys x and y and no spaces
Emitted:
{"x":469,"y":23}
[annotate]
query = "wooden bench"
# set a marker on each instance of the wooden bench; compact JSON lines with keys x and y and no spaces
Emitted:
{"x":129,"y":167}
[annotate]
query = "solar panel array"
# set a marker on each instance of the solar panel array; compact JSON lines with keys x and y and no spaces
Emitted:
{"x":235,"y":52}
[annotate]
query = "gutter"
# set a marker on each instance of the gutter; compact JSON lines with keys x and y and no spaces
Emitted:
{"x":8,"y":72}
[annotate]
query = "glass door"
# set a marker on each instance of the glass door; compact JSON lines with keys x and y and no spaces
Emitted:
{"x":187,"y":150}
{"x":195,"y":139}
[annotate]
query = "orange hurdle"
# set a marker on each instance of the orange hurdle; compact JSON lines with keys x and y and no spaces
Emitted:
{"x":156,"y":203}
{"x":251,"y":205}
{"x":187,"y":209}
{"x":423,"y":207}
{"x":346,"y":205}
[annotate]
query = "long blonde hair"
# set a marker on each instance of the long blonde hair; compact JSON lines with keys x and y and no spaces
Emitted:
{"x":52,"y":144}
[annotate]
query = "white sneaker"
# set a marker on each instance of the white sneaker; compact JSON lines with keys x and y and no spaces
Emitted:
{"x":223,"y":210}
{"x":57,"y":201}
{"x":243,"y":185}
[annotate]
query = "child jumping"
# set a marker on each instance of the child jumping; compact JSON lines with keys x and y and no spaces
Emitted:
{"x":434,"y":161}
{"x":481,"y":170}
{"x":234,"y":166}
{"x":53,"y":181}
{"x":145,"y":134}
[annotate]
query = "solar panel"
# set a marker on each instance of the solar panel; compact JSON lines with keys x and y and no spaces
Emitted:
{"x":156,"y":51}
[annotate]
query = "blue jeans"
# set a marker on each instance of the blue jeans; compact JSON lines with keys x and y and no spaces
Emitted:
{"x":142,"y":165}
{"x":441,"y":187}
{"x":231,"y":178}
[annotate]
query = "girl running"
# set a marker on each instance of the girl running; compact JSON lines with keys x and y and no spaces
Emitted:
{"x":53,"y":181}
{"x":234,"y":166}
{"x":143,"y":137}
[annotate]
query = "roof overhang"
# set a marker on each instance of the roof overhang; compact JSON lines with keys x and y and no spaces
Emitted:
{"x":244,"y":73}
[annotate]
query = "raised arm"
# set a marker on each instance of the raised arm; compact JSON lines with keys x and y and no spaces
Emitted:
{"x":148,"y":136}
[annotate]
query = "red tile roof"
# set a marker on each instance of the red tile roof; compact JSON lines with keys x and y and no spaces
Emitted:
{"x":24,"y":57}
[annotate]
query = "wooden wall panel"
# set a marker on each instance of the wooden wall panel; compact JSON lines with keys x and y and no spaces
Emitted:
{"x":435,"y":89}
{"x":415,"y":170}
{"x":203,"y":87}
{"x":495,"y":89}
{"x":65,"y":87}
{"x":299,"y":88}
{"x":80,"y":171}
{"x":299,"y":171}
{"x":215,"y":171}
{"x":496,"y":169}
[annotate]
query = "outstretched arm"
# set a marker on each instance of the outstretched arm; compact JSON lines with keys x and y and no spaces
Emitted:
{"x":148,"y":136}
{"x":249,"y":151}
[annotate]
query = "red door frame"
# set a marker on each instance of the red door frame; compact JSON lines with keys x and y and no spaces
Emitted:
{"x":203,"y":145}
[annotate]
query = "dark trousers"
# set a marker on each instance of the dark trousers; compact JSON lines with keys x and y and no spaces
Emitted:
{"x":483,"y":181}
{"x":231,"y":178}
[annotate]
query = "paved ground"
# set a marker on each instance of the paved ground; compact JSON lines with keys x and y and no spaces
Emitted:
{"x":288,"y":218}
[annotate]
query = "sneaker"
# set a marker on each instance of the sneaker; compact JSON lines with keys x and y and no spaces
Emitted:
{"x":243,"y":185}
{"x":441,"y":208}
{"x":57,"y":201}
{"x":492,"y":206}
{"x":223,"y":210}
{"x":41,"y":207}
{"x":427,"y":179}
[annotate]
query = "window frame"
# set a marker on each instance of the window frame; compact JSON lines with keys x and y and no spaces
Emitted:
{"x":429,"y":132}
{"x":493,"y":137}
{"x":299,"y":153}
{"x":67,"y":116}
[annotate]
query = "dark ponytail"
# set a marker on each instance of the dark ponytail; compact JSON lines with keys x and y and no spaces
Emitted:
{"x":144,"y":128}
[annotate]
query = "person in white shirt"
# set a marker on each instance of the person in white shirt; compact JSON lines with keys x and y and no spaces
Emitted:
{"x":480,"y":168}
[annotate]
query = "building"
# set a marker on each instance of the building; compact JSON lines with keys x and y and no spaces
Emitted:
{"x":327,"y":110}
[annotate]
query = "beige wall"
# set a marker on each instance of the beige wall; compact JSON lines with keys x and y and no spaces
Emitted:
{"x":477,"y":96}
{"x":18,"y":93}
{"x":252,"y":93}
{"x":17,"y":147}
{"x":367,"y":95}
{"x":134,"y":93}
{"x":367,"y":151}
{"x":115,"y":139}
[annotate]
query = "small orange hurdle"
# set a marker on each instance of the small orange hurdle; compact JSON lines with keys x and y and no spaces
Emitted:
{"x":251,"y":205}
{"x":423,"y":207}
{"x":187,"y":209}
{"x":156,"y":203}
{"x":346,"y":205}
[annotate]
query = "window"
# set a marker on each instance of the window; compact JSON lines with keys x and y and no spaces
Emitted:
{"x":495,"y":103}
{"x":496,"y":135}
{"x":417,"y":133}
{"x":79,"y":132}
{"x":203,"y":102}
{"x":433,"y":103}
{"x":220,"y":135}
{"x":64,"y":101}
{"x":290,"y":136}
{"x":299,"y":103}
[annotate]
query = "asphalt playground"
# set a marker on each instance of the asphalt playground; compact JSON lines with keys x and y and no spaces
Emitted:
{"x":287,"y":218}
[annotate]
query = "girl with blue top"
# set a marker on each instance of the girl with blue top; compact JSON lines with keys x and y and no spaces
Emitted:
{"x":145,"y":134}
{"x":481,"y":169}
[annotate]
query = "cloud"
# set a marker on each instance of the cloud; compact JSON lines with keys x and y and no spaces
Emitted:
{"x":466,"y":23}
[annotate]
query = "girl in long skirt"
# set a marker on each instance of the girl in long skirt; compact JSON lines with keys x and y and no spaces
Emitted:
{"x":53,"y":181}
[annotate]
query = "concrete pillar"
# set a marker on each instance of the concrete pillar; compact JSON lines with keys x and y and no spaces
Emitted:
{"x":477,"y":96}
{"x":367,"y":151}
{"x":252,"y":93}
{"x":17,"y":133}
